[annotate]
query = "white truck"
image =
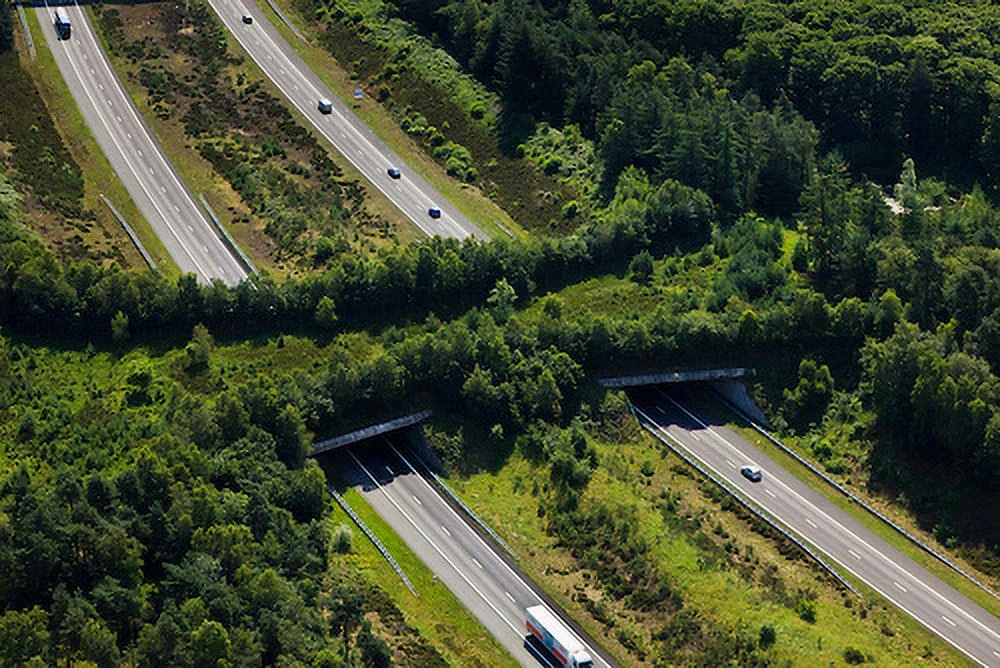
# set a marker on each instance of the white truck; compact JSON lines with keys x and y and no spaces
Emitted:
{"x":565,"y":647}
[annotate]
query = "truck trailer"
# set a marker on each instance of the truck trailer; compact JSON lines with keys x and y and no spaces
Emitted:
{"x":61,"y":22}
{"x":565,"y":647}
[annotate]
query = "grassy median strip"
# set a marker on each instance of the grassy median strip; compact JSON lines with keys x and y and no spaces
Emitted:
{"x":435,"y":611}
{"x":724,"y":581}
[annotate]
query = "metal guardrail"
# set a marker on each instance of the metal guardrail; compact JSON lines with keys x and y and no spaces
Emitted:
{"x":342,"y":502}
{"x":27,"y":30}
{"x":850,"y":495}
{"x":676,"y":448}
{"x":228,"y":238}
{"x":454,"y":497}
{"x":285,"y":20}
{"x":131,"y":233}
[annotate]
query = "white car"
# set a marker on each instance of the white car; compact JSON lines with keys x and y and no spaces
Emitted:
{"x":324,"y":105}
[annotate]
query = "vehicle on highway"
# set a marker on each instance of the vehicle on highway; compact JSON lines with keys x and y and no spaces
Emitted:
{"x":62,"y":24}
{"x":246,"y":18}
{"x":565,"y":647}
{"x":394,"y":172}
{"x":325,"y":106}
{"x":751,"y":473}
{"x":434,"y":212}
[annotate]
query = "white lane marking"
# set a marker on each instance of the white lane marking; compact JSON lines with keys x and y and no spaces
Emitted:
{"x":152,"y":171}
{"x":445,"y":529}
{"x":948,"y":621}
{"x":770,"y":494}
{"x":204,"y":248}
{"x":128,"y":134}
{"x":811,"y":523}
{"x":89,"y":38}
{"x":996,"y":652}
{"x":695,"y":436}
{"x":489,"y":549}
{"x":419,"y":502}
{"x":92,"y":70}
{"x":854,"y":554}
{"x":844,"y":531}
{"x":119,"y":118}
{"x":190,"y":229}
{"x":872,"y":584}
{"x":515,"y":627}
{"x":730,"y":462}
{"x":101,"y":86}
{"x":108,"y":100}
{"x":391,"y":472}
{"x":163,"y":189}
{"x":899,"y":586}
{"x":307,"y":111}
{"x":476,"y":562}
{"x":139,"y":150}
{"x":177,"y":209}
{"x":509,"y":596}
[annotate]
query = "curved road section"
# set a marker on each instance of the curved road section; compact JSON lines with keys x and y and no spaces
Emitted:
{"x":858,"y":550}
{"x":410,"y":193}
{"x":134,"y":153}
{"x":496,"y":592}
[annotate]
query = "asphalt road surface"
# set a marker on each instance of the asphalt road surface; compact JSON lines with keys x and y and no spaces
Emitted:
{"x":410,"y":193}
{"x":134,"y":153}
{"x":948,"y":613}
{"x":493,"y":590}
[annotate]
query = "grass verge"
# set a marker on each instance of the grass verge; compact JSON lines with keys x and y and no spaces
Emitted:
{"x":99,"y":177}
{"x":480,"y":209}
{"x":884,"y":531}
{"x":728,"y":576}
{"x":435,"y":611}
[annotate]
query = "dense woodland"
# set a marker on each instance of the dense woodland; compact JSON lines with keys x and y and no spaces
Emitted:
{"x":728,"y":150}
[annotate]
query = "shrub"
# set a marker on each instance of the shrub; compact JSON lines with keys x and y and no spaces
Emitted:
{"x":853,"y":656}
{"x":806,"y":610}
{"x":767,"y":636}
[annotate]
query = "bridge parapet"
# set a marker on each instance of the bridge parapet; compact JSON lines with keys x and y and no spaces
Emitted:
{"x":693,"y":375}
{"x":370,"y":432}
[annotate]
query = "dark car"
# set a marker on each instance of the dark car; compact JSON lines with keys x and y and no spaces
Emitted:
{"x":247,"y":19}
{"x":394,"y":172}
{"x":751,"y":473}
{"x":434,"y":212}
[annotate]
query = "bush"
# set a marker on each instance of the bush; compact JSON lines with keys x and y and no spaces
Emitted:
{"x":342,"y":538}
{"x":806,"y":610}
{"x":853,"y":656}
{"x":767,"y":636}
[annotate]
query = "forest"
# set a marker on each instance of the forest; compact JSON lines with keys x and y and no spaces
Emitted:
{"x":761,"y":180}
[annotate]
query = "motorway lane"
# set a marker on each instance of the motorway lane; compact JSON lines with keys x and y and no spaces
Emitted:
{"x":134,"y":153}
{"x":411,"y":194}
{"x":457,"y":555}
{"x":941,"y":608}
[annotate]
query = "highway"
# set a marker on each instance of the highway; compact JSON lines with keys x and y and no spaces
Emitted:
{"x":496,"y":592}
{"x":410,"y":193}
{"x":162,"y":198}
{"x":953,"y":616}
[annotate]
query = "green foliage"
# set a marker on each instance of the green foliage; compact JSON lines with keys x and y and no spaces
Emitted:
{"x":39,"y":157}
{"x":6,"y":27}
{"x":808,"y":399}
{"x":641,"y":267}
{"x":806,"y":610}
{"x":767,"y":637}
